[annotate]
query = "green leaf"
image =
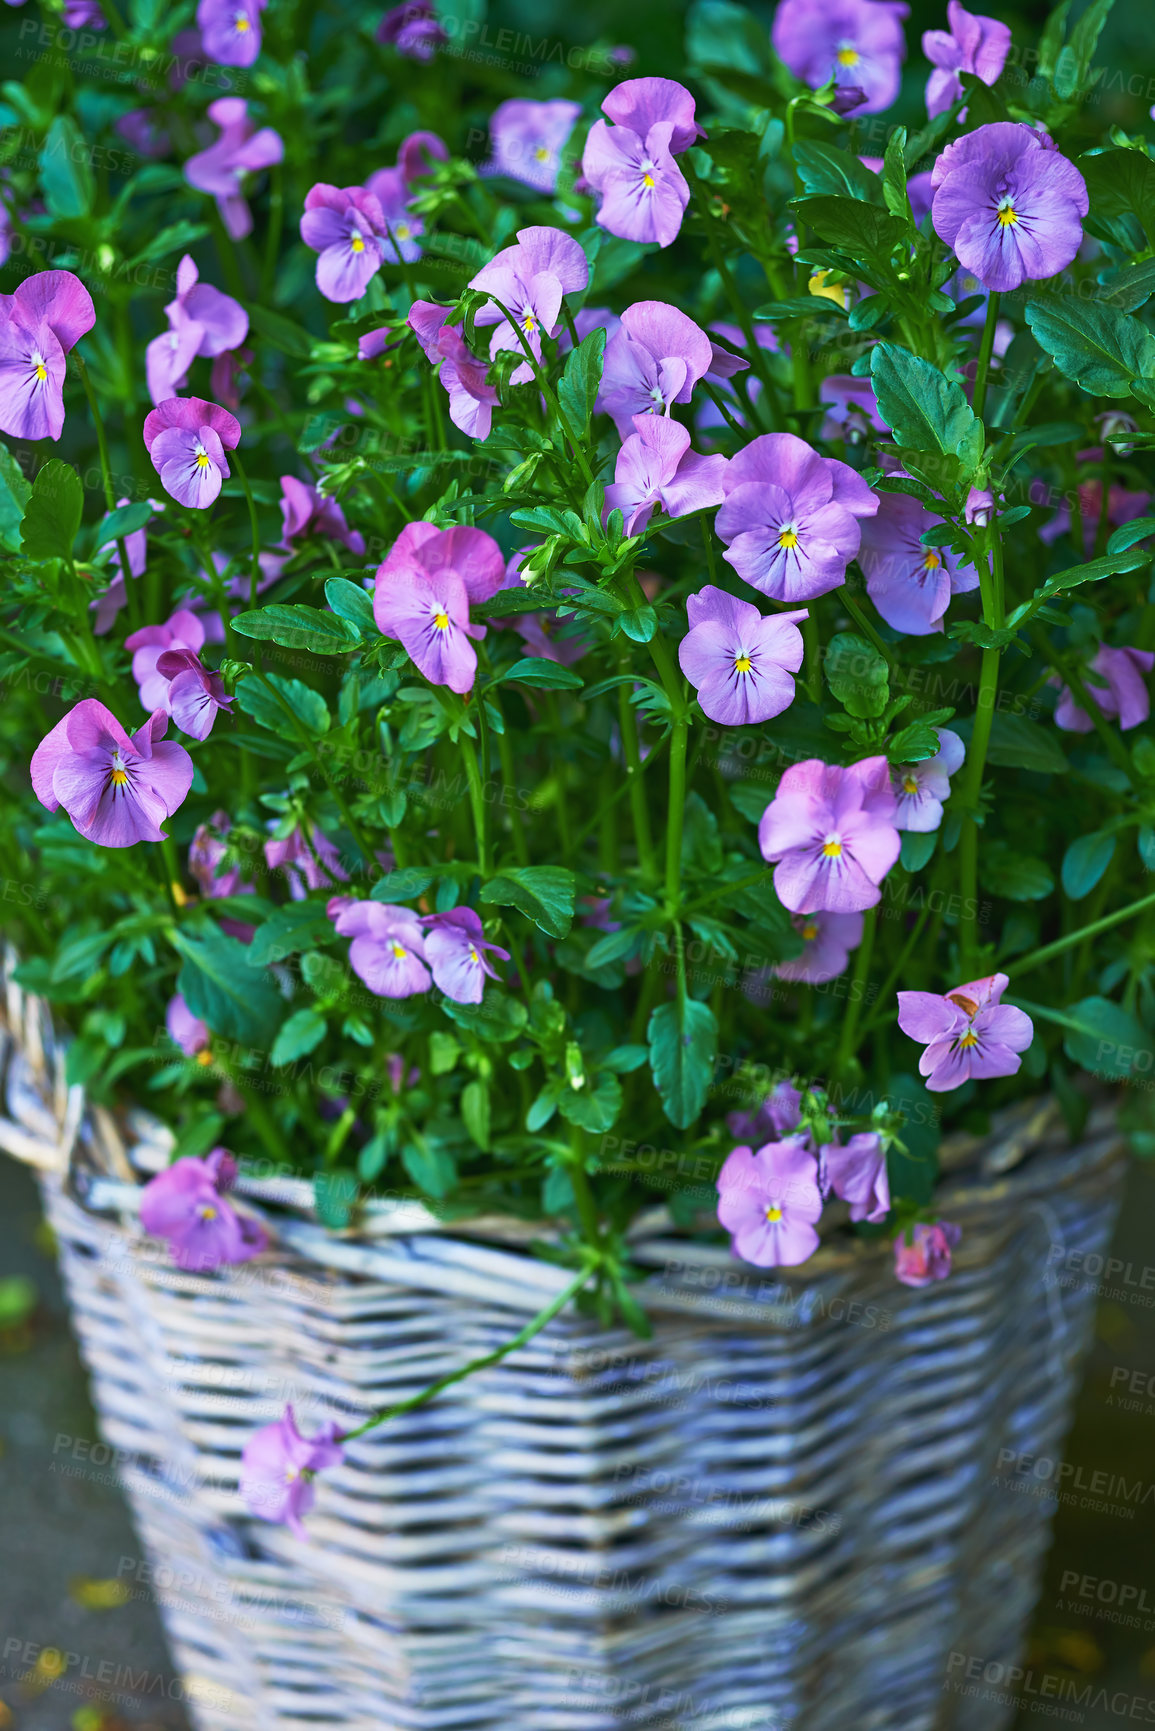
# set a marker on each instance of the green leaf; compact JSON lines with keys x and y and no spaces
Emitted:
{"x":1017,"y":742}
{"x":299,"y":926}
{"x":220,"y":988}
{"x":1074,"y":62}
{"x":1128,"y":534}
{"x":545,"y":893}
{"x":475,"y":1112}
{"x":1121,"y":186}
{"x":548,"y":675}
{"x":175,"y":237}
{"x":299,"y":1035}
{"x":1103,"y":1038}
{"x":581,"y":379}
{"x":431,"y":1167}
{"x":727,"y":38}
{"x":1092,"y":571}
{"x":281,"y":332}
{"x":1085,"y":861}
{"x":404,"y":885}
{"x":683,"y":1039}
{"x":856,"y":674}
{"x":917,"y":848}
{"x":925,"y":410}
{"x":912,"y":1169}
{"x":307,"y":705}
{"x":125,"y":520}
{"x":498,"y":1016}
{"x":334,"y":1194}
{"x":66,"y":171}
{"x":350,"y":602}
{"x":52,"y":515}
{"x":1014,"y":875}
{"x":300,"y":627}
{"x":1096,"y":345}
{"x":594,"y":1109}
{"x":894,"y":175}
{"x":14,"y":492}
{"x":864,"y":230}
{"x":824,"y":169}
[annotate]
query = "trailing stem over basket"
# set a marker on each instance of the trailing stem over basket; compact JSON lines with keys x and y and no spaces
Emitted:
{"x":643,"y":639}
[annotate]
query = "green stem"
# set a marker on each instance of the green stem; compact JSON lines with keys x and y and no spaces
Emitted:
{"x":535,"y":1326}
{"x":895,"y":975}
{"x":639,"y":809}
{"x":986,"y":350}
{"x":676,"y":815}
{"x":255,"y":570}
{"x":310,"y":744}
{"x":867,"y":629}
{"x":741,"y":311}
{"x":548,"y":392}
{"x":1036,"y":958}
{"x":477,"y":803}
{"x":846,"y":1043}
{"x":130,"y":594}
{"x":273,"y":235}
{"x":971,"y":789}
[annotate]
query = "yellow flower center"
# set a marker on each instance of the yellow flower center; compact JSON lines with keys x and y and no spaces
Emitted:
{"x":292,"y":1474}
{"x":358,"y":244}
{"x":541,"y":154}
{"x":41,"y":371}
{"x":242,"y":23}
{"x":441,"y":621}
{"x":403,"y":231}
{"x":204,"y":1057}
{"x":788,"y":538}
{"x":648,"y":182}
{"x":399,"y":950}
{"x":202,"y":459}
{"x":809,"y":931}
{"x":931,"y":560}
{"x":970,"y":1038}
{"x":832,"y":849}
{"x":120,"y":778}
{"x":529,"y":324}
{"x":909,"y":785}
{"x":1008,"y":215}
{"x":773,"y":1214}
{"x":208,"y":1212}
{"x":473,"y":955}
{"x":847,"y":56}
{"x":741,"y":664}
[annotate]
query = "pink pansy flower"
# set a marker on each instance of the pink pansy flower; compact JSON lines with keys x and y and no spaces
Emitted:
{"x":183,"y":630}
{"x":48,"y":313}
{"x":429,"y":614}
{"x":184,"y":1029}
{"x":308,"y":859}
{"x":653,"y":360}
{"x":740,"y":663}
{"x":857,"y":1174}
{"x":278,"y":1466}
{"x":472,"y":399}
{"x":388,"y":948}
{"x":928,"y":1256}
{"x":909,"y":583}
{"x":921,"y":788}
{"x":1122,"y":697}
{"x":471,"y":553}
{"x":186,"y":1204}
{"x":829,"y":939}
{"x":833,"y":834}
{"x":776,"y":1118}
{"x":790,"y":517}
{"x":186,"y":439}
{"x":231,"y":30}
{"x":967,"y":1032}
{"x":631,"y":164}
{"x":221,"y":169}
{"x":973,"y":44}
{"x":108,"y":605}
{"x":202,"y":321}
{"x":195,"y":693}
{"x":345,"y":225}
{"x":656,"y":466}
{"x":117,"y":789}
{"x":769,"y":1201}
{"x":456,"y":949}
{"x":305,"y":511}
{"x":529,"y":279}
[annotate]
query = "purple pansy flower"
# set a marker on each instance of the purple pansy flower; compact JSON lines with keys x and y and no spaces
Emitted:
{"x":1009,"y":204}
{"x":829,"y":939}
{"x":857,"y":43}
{"x":474,"y":555}
{"x":194,"y":694}
{"x":183,"y":630}
{"x":39,"y":323}
{"x":967,"y":1032}
{"x":833,"y":834}
{"x":928,"y":1256}
{"x":185,"y":1204}
{"x":277,"y":1469}
{"x":202,"y":321}
{"x":778,"y":1115}
{"x":910,"y":584}
{"x":388,"y":948}
{"x":117,"y":790}
{"x":979,"y":507}
{"x":345,"y":225}
{"x":851,"y":410}
{"x":108,"y":605}
{"x":739,"y":663}
{"x":429,"y":615}
{"x":769,"y":1201}
{"x":413,"y":29}
{"x":527,"y":139}
{"x":308,"y":859}
{"x":724,"y":366}
{"x":656,"y":466}
{"x":305,"y":511}
{"x":455,"y":948}
{"x":921,"y":788}
{"x":1123,"y":696}
{"x":472,"y":399}
{"x":231,"y":30}
{"x":529,"y":279}
{"x":184,"y":1029}
{"x":653,"y":360}
{"x":972,"y":44}
{"x":241,"y":149}
{"x":857,"y":1174}
{"x":790,"y":517}
{"x":186,"y":439}
{"x":631,"y":164}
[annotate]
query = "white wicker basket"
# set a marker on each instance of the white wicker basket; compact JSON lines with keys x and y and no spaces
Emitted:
{"x":785,"y":1509}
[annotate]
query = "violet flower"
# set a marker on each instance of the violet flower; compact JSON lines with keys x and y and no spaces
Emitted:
{"x":472,"y":399}
{"x":186,"y":1030}
{"x":833,"y":834}
{"x":471,"y":553}
{"x":429,"y":614}
{"x":194,"y":692}
{"x":653,"y":360}
{"x":1009,"y":204}
{"x":413,"y":29}
{"x":308,"y":859}
{"x":117,"y":790}
{"x":972,"y":44}
{"x":455,"y":948}
{"x":769,"y":1201}
{"x":186,"y":439}
{"x":305,"y":511}
{"x":928,"y":1256}
{"x":241,"y":149}
{"x":106,"y":607}
{"x":631,"y":164}
{"x":388,"y":949}
{"x":829,"y":939}
{"x":857,"y":43}
{"x":529,"y":279}
{"x":345,"y":225}
{"x":790,"y":517}
{"x":278,"y":1465}
{"x":851,"y":409}
{"x":779,"y":1114}
{"x":1123,"y":697}
{"x":230,"y":30}
{"x":723,"y":368}
{"x":202,"y":321}
{"x":857,"y":1174}
{"x":740,"y":663}
{"x":656,"y":466}
{"x":967,"y":1032}
{"x":527,"y":139}
{"x":182,"y":630}
{"x":39,"y":323}
{"x":185,"y":1204}
{"x":921,"y":788}
{"x":910,"y":584}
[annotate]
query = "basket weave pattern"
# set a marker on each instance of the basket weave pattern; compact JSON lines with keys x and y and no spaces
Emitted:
{"x":786,"y":1509}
